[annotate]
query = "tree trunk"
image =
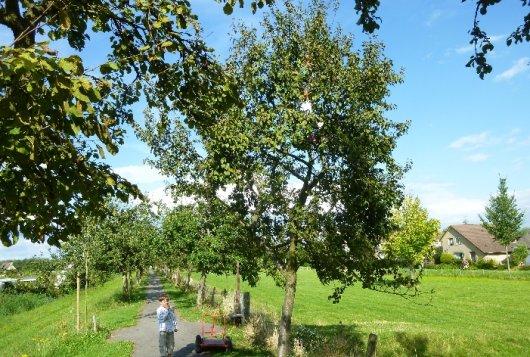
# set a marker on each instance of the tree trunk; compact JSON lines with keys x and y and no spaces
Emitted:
{"x":188,"y":278}
{"x":126,"y":286}
{"x":78,"y":292}
{"x":177,"y":278}
{"x":237,"y":295}
{"x":507,"y":258}
{"x":201,"y":290}
{"x":288,"y":302}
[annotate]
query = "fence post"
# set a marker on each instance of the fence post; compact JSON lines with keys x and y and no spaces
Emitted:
{"x":372,"y":345}
{"x":212,"y":297}
{"x":94,"y":325}
{"x":245,"y":306}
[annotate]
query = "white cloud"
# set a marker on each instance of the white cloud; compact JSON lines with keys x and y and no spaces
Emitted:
{"x":444,"y":204}
{"x":520,"y":66}
{"x":464,"y":49}
{"x":471,"y":142}
{"x":480,"y":157}
{"x":140,"y":174}
{"x":26,"y":249}
{"x":433,"y":17}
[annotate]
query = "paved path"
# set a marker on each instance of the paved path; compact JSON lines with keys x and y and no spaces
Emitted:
{"x":145,"y":334}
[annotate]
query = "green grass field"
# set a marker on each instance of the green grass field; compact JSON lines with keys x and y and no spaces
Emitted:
{"x":465,"y":315}
{"x":49,"y":330}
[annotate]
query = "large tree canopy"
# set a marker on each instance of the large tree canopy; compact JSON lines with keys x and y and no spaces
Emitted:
{"x":57,"y":117}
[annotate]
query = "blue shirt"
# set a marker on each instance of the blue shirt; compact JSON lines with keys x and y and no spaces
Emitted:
{"x":166,"y":319}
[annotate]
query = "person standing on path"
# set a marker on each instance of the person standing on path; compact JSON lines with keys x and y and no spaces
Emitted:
{"x":167,"y":325}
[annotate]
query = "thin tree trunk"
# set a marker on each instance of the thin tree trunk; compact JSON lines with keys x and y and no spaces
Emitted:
{"x":288,"y":302}
{"x":177,"y":278}
{"x":126,"y":285}
{"x":201,"y":290}
{"x":507,"y":258}
{"x":78,"y":292}
{"x":86,"y":290}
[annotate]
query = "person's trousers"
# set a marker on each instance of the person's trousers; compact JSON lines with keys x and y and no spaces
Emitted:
{"x":166,"y":343}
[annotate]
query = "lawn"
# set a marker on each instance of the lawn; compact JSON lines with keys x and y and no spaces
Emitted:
{"x":466,"y":315}
{"x":49,"y":330}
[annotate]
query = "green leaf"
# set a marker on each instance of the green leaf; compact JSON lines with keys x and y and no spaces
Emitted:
{"x":111,"y":181}
{"x":108,"y":67}
{"x":228,"y":9}
{"x":14,"y":131}
{"x":75,"y":128}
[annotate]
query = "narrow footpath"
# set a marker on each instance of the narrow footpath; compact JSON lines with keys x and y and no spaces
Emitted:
{"x":145,"y":333}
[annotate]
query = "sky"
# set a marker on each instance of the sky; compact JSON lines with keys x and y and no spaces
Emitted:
{"x":465,"y":132}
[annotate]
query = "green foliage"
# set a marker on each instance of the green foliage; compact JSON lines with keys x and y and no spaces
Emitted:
{"x":207,"y":238}
{"x":488,"y":264}
{"x":14,"y":303}
{"x":414,"y":235}
{"x":52,"y":331}
{"x":447,"y":258}
{"x":519,"y":254}
{"x":503,"y":220}
{"x":58,"y":118}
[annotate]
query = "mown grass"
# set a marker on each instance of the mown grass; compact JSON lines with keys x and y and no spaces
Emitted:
{"x":49,"y":330}
{"x":463,"y":316}
{"x":14,"y":303}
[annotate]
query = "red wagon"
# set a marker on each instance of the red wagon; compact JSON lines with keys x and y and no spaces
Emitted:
{"x":212,"y":337}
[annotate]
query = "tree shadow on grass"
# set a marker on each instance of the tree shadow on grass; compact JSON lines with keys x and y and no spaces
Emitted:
{"x":414,"y":345}
{"x":331,"y":340}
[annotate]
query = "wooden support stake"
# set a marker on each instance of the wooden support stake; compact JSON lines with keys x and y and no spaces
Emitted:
{"x":94,"y":325}
{"x":78,"y":281}
{"x":372,"y":345}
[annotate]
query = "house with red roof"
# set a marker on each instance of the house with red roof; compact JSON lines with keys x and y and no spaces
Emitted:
{"x":472,"y":241}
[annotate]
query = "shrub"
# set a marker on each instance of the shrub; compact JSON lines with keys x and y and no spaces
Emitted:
{"x":261,"y":331}
{"x":487,"y":264}
{"x":437,"y":255}
{"x":447,"y":258}
{"x":519,"y":254}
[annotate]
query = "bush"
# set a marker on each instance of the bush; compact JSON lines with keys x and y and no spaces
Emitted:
{"x":13,"y":303}
{"x":437,"y":255}
{"x":519,"y":254}
{"x":447,"y":258}
{"x":487,"y":264}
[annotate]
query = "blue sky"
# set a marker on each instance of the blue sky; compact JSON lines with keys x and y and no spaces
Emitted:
{"x":464,"y":132}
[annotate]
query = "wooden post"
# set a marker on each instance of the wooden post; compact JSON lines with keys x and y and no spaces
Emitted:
{"x":94,"y":325}
{"x":237,"y":295}
{"x":245,"y":306}
{"x":78,"y":292}
{"x":86,"y":290}
{"x":372,"y":345}
{"x":212,"y":297}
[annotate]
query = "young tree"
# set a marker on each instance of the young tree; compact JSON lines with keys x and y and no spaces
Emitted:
{"x":503,"y":220}
{"x":414,"y":234}
{"x":309,"y":153}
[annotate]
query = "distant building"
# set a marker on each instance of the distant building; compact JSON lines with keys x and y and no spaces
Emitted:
{"x":7,"y":266}
{"x":472,"y":241}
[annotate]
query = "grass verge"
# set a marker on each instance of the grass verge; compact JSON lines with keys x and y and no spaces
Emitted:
{"x":49,"y":330}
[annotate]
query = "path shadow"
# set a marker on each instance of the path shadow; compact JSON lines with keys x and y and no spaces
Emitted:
{"x":414,"y":345}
